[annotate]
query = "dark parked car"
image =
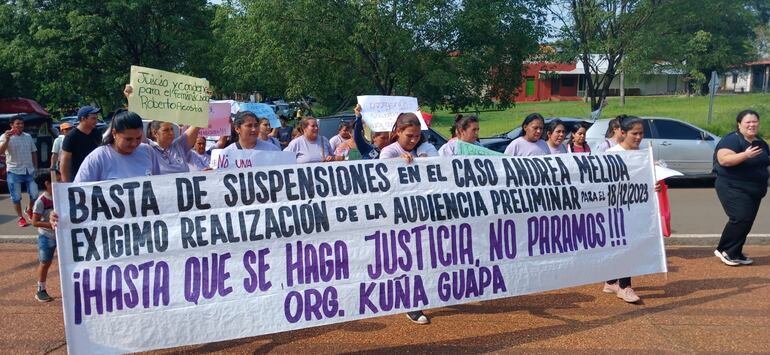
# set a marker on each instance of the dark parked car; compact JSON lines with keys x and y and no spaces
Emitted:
{"x":500,"y":142}
{"x":328,"y":125}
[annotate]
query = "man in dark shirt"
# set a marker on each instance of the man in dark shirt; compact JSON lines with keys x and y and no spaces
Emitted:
{"x":79,"y":142}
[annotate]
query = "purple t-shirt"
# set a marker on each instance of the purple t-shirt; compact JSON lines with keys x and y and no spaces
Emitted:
{"x":559,"y":149}
{"x":521,"y":147}
{"x":104,"y":163}
{"x":175,"y":158}
{"x":271,"y":140}
{"x":394,"y":150}
{"x":310,"y":152}
{"x":261,"y":145}
{"x":336,"y":141}
{"x":450,"y":148}
{"x":198,"y":162}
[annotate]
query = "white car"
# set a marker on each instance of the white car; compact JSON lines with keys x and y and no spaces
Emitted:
{"x":684,"y":147}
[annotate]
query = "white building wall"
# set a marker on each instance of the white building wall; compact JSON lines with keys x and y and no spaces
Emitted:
{"x":737,"y":81}
{"x":652,"y":84}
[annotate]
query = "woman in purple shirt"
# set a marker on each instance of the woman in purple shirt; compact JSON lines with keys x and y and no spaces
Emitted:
{"x":122,"y":155}
{"x":311,"y":147}
{"x":556,"y":131}
{"x":529,"y":142}
{"x":246,"y":134}
{"x":406,"y":140}
{"x":171,"y":151}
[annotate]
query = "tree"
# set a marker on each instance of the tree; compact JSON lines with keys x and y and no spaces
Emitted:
{"x":445,"y":52}
{"x":73,"y":52}
{"x":607,"y":28}
{"x":697,"y":37}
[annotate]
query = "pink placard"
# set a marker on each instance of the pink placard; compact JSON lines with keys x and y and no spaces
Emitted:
{"x":219,"y":120}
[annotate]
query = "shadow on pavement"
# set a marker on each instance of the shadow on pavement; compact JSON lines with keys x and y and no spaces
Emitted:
{"x":501,"y":341}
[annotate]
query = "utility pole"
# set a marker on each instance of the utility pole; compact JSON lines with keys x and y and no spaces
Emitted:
{"x":622,"y":88}
{"x":713,"y":85}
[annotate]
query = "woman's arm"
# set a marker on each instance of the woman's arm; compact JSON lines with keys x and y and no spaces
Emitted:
{"x":727,"y":157}
{"x":358,"y":135}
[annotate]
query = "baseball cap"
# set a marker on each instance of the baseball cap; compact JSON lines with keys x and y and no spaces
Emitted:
{"x":86,"y":110}
{"x":65,"y":125}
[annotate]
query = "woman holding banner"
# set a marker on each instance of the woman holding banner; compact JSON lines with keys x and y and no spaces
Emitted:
{"x":311,"y":147}
{"x":555,"y":132}
{"x":529,"y":142}
{"x":246,"y":134}
{"x":632,"y":132}
{"x":407,"y":141}
{"x":407,"y":138}
{"x":122,"y":154}
{"x":466,"y":129}
{"x":741,"y":163}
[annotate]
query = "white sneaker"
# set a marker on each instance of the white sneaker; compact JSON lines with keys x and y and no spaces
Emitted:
{"x":628,"y":295}
{"x":726,"y":259}
{"x":611,"y":288}
{"x":417,"y":317}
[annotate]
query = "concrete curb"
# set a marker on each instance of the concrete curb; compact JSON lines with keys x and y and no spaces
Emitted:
{"x":675,"y":239}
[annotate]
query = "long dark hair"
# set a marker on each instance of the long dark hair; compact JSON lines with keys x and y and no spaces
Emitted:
{"x":239,"y":119}
{"x":404,"y":120}
{"x":122,"y":120}
{"x":551,"y":126}
{"x":527,"y":120}
{"x":453,"y":129}
{"x":627,"y":123}
{"x":612,"y":125}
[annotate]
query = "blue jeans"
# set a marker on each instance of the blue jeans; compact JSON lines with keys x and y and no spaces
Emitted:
{"x":14,"y":187}
{"x":45,"y":248}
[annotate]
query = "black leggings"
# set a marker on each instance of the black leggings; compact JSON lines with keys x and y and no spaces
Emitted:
{"x":740,"y":200}
{"x":623,"y":282}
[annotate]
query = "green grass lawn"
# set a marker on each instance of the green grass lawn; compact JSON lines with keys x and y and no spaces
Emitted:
{"x":691,"y":109}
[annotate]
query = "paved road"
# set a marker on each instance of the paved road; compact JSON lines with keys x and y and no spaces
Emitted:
{"x":699,"y":306}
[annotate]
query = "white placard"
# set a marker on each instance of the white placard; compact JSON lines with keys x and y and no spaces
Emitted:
{"x":380,"y":112}
{"x":249,"y":158}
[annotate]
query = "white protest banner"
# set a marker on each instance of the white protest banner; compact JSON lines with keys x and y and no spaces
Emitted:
{"x":219,"y":120}
{"x":261,"y":110}
{"x":170,"y":97}
{"x":249,"y":158}
{"x":164,"y":261}
{"x":380,"y":112}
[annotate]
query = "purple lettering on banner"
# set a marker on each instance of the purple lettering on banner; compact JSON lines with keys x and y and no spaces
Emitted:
{"x":502,"y":240}
{"x":78,"y":300}
{"x":192,"y":279}
{"x":566,"y":233}
{"x":131,"y":299}
{"x":161,"y":285}
{"x":401,"y":292}
{"x":256,"y":279}
{"x":470,"y":283}
{"x":312,"y":304}
{"x":306,"y":264}
{"x":144,"y":268}
{"x":113,"y":289}
{"x":459,"y":247}
{"x":90,"y":293}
